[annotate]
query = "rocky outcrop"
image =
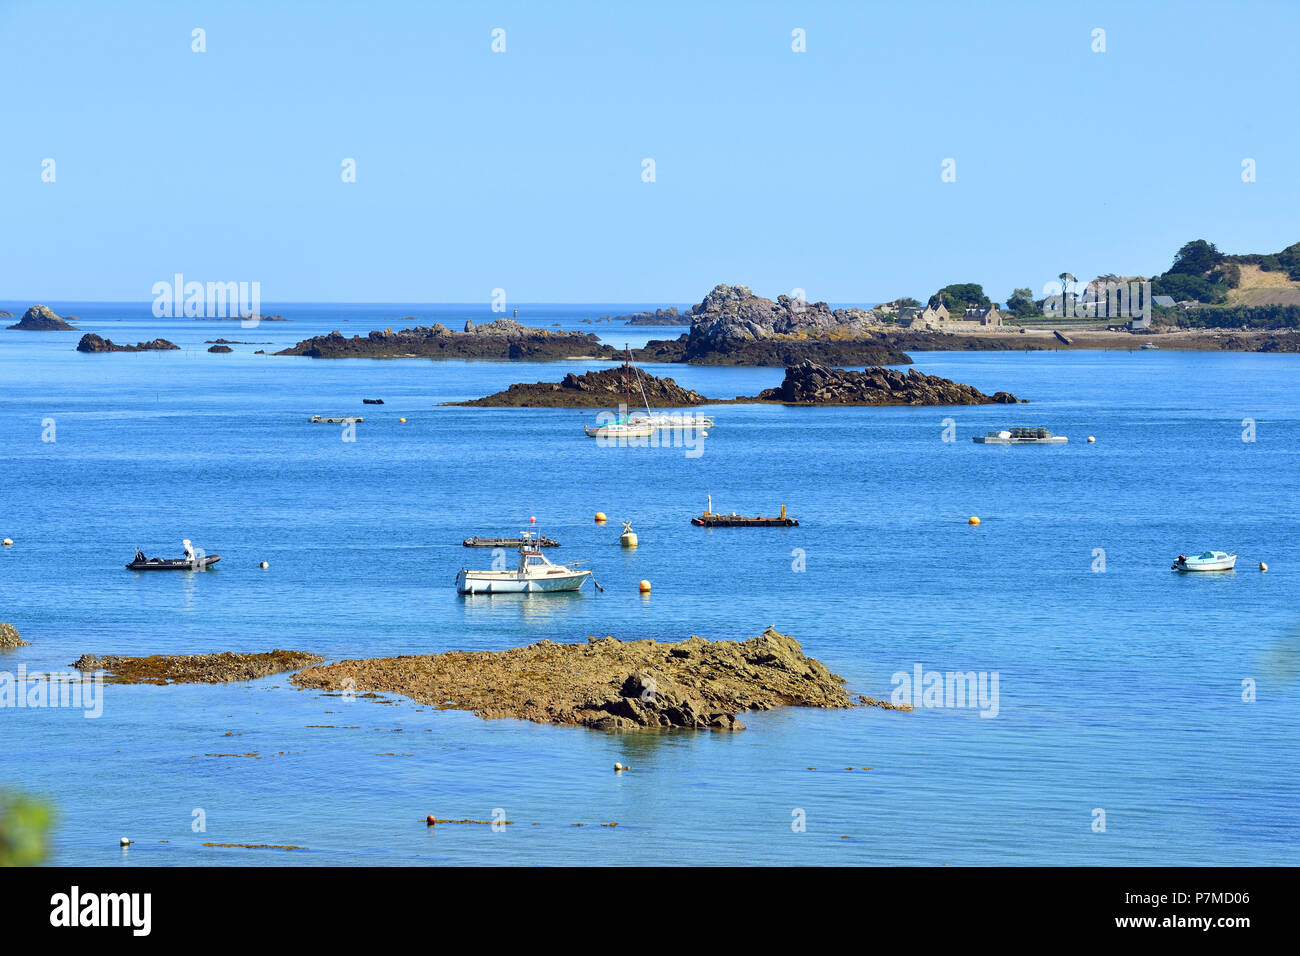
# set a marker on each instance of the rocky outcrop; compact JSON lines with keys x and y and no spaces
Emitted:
{"x":733,"y":326}
{"x":502,"y":339}
{"x":606,"y":684}
{"x":602,"y":389}
{"x":90,"y":342}
{"x":220,"y":349}
{"x":811,"y":384}
{"x":9,"y":638}
{"x":41,"y":318}
{"x":195,"y":668}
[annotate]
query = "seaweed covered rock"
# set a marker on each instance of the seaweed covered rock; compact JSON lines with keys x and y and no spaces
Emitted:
{"x":90,"y":342}
{"x":605,"y":388}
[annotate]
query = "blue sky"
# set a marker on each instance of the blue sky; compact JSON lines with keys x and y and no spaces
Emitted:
{"x":522,"y":170}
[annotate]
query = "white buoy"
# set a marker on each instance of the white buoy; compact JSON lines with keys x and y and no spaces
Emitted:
{"x":1263,"y":566}
{"x":1091,"y":440}
{"x":264,"y":565}
{"x":126,"y":841}
{"x":628,"y":538}
{"x":618,"y":767}
{"x":9,"y":542}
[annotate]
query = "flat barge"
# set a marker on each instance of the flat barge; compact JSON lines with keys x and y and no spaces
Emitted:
{"x":477,"y":542}
{"x":711,"y":520}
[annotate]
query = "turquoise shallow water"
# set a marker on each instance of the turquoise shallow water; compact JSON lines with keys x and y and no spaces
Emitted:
{"x":1118,"y":690}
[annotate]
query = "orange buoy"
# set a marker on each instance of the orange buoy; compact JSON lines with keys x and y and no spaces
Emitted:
{"x":430,"y":820}
{"x":644,"y":587}
{"x":600,"y":517}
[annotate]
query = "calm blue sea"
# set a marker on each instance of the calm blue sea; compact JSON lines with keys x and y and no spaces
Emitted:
{"x":1119,"y":690}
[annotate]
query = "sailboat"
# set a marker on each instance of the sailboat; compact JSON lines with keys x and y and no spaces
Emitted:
{"x":639,"y":425}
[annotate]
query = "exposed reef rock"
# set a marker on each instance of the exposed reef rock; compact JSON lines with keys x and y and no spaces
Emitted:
{"x":668,"y":316}
{"x":90,"y":342}
{"x":195,"y":668}
{"x":811,"y":384}
{"x":502,"y":339}
{"x":9,"y":638}
{"x":600,"y":389}
{"x":220,"y":348}
{"x":41,"y":318}
{"x":605,"y":684}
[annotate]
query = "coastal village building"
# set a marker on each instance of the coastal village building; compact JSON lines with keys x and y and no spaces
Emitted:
{"x":983,"y":315}
{"x":931,"y":317}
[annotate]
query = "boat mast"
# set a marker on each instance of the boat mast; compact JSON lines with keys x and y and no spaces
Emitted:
{"x":627,"y":383}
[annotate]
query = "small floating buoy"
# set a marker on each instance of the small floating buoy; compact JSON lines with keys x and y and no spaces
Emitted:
{"x":1263,"y":566}
{"x":125,"y":841}
{"x":9,"y":542}
{"x":972,"y":520}
{"x":600,"y":517}
{"x":628,"y":538}
{"x":402,"y":420}
{"x":1091,"y":440}
{"x":644,"y":587}
{"x":264,"y":565}
{"x":430,"y":820}
{"x":619,"y":768}
{"x":704,"y":434}
{"x":532,"y":520}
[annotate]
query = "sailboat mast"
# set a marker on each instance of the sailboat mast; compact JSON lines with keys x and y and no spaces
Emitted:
{"x":627,"y":383}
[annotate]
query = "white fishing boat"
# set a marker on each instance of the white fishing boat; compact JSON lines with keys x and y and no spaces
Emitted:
{"x":1205,"y":561}
{"x":1020,"y":435}
{"x":534,"y":574}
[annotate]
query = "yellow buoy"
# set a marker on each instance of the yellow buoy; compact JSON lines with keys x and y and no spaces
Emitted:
{"x":402,"y":420}
{"x":628,"y":538}
{"x":600,"y":516}
{"x":1263,"y":566}
{"x":972,"y":520}
{"x":644,"y":587}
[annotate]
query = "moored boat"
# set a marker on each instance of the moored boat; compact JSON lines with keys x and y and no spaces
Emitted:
{"x":535,"y":574}
{"x":733,"y":520}
{"x":1205,"y":561}
{"x":193,"y":561}
{"x":477,"y":542}
{"x":1020,"y":435}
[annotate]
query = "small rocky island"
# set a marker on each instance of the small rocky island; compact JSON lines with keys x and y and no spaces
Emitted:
{"x":41,"y":318}
{"x":600,"y":389}
{"x":605,"y":684}
{"x":733,"y":326}
{"x":502,"y":339}
{"x":668,"y":316}
{"x":195,"y":668}
{"x":90,"y":342}
{"x":9,"y":638}
{"x":811,"y":384}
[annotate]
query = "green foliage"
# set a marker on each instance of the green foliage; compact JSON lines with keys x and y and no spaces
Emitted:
{"x":1196,"y":258}
{"x":962,"y":295}
{"x":1021,"y":304}
{"x":1181,"y":286}
{"x":24,"y":830}
{"x":1251,"y":316}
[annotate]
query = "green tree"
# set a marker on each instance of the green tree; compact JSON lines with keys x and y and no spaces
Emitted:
{"x":960,"y":296}
{"x":1196,"y":258}
{"x":1021,"y":304}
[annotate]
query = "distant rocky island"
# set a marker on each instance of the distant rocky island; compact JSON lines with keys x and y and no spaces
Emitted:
{"x":251,"y":317}
{"x":805,"y":384}
{"x":502,"y":339}
{"x":601,"y":389}
{"x":811,"y":384}
{"x":668,"y":316}
{"x":218,"y":668}
{"x":41,"y":318}
{"x":604,"y":684}
{"x":90,"y":342}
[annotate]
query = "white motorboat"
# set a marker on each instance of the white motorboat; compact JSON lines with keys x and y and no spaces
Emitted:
{"x":534,"y":574}
{"x":1205,"y":561}
{"x":1020,"y":435}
